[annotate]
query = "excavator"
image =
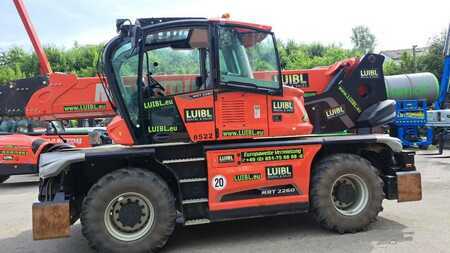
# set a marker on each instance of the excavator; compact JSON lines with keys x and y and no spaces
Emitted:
{"x":69,"y":98}
{"x":205,"y":131}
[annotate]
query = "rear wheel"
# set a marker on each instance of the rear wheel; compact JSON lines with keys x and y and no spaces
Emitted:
{"x":3,"y":179}
{"x":346,"y":193}
{"x":129,"y":210}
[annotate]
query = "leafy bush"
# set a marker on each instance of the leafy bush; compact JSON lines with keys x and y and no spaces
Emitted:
{"x":17,"y":63}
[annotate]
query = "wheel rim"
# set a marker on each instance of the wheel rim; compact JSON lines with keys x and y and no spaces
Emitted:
{"x":349,"y":194}
{"x":129,"y":216}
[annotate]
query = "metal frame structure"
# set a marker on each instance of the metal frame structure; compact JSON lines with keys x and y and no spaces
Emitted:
{"x":432,"y":122}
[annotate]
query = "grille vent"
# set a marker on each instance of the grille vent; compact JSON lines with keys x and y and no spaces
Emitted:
{"x":233,"y":111}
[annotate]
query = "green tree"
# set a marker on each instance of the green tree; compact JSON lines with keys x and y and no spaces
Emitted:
{"x":17,"y":63}
{"x":432,"y":60}
{"x":362,"y":39}
{"x":294,"y":55}
{"x":390,"y":68}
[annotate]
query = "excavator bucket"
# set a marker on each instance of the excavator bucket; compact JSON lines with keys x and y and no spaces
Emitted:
{"x":15,"y":95}
{"x":354,"y":98}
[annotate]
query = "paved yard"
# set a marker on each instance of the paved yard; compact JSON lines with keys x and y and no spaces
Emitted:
{"x":408,"y":227}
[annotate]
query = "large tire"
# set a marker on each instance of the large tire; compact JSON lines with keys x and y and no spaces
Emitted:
{"x":3,"y":179}
{"x":346,"y":193}
{"x":133,"y":195}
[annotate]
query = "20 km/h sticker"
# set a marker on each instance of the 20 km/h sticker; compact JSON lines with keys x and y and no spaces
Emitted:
{"x":219,"y":182}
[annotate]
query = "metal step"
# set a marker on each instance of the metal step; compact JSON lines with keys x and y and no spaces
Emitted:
{"x":193,"y":180}
{"x":194,"y":201}
{"x":196,"y":222}
{"x":185,"y":160}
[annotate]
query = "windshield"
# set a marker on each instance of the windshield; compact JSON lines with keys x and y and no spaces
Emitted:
{"x":248,"y":56}
{"x":125,"y":64}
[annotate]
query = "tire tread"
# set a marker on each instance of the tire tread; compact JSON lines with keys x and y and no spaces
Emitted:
{"x":112,"y":178}
{"x":323,"y":212}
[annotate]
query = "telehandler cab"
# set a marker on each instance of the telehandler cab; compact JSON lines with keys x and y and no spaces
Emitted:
{"x":208,"y":133}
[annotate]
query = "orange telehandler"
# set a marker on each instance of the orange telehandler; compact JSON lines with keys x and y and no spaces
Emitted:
{"x":206,"y":131}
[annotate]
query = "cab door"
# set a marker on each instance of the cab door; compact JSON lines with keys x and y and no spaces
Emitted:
{"x":163,"y":122}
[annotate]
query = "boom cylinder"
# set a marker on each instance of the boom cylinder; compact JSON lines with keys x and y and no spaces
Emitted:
{"x":412,"y":86}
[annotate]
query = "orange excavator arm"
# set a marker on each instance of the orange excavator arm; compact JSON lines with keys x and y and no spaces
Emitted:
{"x":53,"y":95}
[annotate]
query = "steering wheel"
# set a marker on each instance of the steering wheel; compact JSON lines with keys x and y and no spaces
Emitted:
{"x":155,"y":84}
{"x":153,"y":88}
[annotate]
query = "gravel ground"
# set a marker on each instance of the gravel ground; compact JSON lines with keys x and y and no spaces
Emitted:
{"x":406,"y":227}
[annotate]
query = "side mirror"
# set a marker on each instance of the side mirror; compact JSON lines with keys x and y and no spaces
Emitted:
{"x":120,"y":24}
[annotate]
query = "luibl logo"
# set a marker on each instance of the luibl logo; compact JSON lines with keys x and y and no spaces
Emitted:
{"x":282,"y":106}
{"x":279,"y":172}
{"x":226,"y":158}
{"x":334,"y":112}
{"x":295,"y":80}
{"x":198,"y":114}
{"x":369,"y":73}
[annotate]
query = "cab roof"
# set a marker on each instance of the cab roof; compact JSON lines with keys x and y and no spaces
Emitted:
{"x":235,"y":22}
{"x":144,"y":22}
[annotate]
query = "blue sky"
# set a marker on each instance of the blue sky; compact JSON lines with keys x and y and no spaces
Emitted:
{"x":396,"y":24}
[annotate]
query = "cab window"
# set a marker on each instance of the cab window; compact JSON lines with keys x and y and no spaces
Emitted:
{"x":177,"y":60}
{"x":248,"y":57}
{"x":177,"y":70}
{"x":125,"y":64}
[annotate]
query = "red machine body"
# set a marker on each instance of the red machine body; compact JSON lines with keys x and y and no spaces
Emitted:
{"x":314,"y":81}
{"x":240,"y":114}
{"x":67,"y":97}
{"x":236,"y":176}
{"x":25,"y":149}
{"x":18,"y":150}
{"x":19,"y":153}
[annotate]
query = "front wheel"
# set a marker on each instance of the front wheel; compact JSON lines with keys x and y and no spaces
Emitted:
{"x":346,"y":193}
{"x":129,"y":210}
{"x":3,"y":179}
